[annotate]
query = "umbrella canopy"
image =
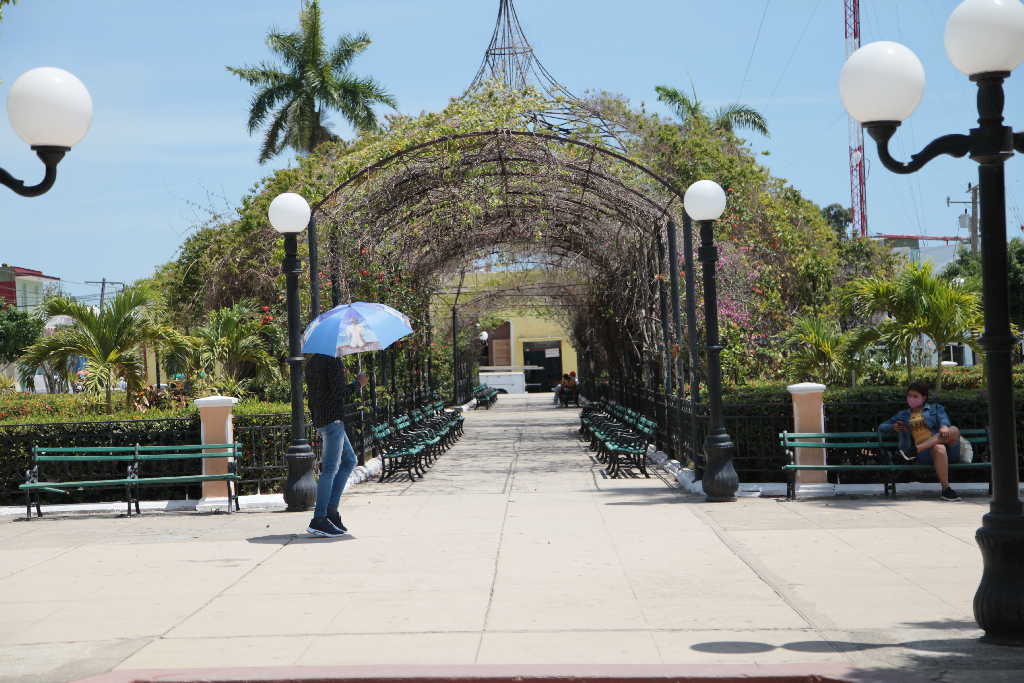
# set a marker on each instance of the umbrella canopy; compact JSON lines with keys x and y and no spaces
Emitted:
{"x":354,"y":328}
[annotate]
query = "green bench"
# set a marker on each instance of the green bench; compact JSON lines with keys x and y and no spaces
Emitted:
{"x":875,"y":453}
{"x":412,"y":442}
{"x":485,"y":396}
{"x":134,"y":458}
{"x":619,"y":435}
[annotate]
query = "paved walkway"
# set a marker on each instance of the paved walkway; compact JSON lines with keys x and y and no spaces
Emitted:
{"x":514,"y":550}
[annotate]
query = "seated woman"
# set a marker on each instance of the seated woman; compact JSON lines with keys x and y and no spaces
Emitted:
{"x":568,"y":390}
{"x":924,"y":429}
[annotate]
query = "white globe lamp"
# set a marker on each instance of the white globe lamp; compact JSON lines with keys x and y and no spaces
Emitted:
{"x":49,"y":107}
{"x":704,"y":200}
{"x":289,"y":213}
{"x":985,"y":36}
{"x":882,"y":81}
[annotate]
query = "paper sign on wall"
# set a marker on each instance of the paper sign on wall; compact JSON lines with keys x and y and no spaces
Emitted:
{"x":552,"y":353}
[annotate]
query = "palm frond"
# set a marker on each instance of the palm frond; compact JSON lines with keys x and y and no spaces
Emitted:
{"x":346,"y":49}
{"x":740,"y":116}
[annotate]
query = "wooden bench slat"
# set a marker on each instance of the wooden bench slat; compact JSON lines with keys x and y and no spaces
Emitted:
{"x":125,"y":482}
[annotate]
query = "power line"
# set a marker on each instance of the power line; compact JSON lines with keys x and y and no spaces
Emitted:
{"x":795,"y":48}
{"x":753,"y":49}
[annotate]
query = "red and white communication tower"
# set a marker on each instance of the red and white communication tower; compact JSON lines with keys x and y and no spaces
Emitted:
{"x":858,"y":176}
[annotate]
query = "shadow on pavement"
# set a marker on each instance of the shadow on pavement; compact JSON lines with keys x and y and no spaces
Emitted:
{"x":286,"y":539}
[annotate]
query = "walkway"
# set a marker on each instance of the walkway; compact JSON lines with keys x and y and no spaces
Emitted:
{"x":514,"y":550}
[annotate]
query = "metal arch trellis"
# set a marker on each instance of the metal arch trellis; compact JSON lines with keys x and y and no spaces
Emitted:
{"x":411,"y":202}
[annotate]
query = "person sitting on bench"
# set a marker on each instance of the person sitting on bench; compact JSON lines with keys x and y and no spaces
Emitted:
{"x":568,"y":390}
{"x":924,"y":430}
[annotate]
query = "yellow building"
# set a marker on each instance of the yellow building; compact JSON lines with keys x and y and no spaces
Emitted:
{"x":532,"y":344}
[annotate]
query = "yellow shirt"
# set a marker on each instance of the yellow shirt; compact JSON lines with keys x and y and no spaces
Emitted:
{"x":918,"y":428}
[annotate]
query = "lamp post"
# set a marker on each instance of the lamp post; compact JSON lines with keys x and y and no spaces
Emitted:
{"x":705,"y":202}
{"x":881,"y":84}
{"x":51,"y":110}
{"x":289,"y":214}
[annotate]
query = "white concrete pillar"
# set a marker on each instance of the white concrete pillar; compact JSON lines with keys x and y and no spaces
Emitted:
{"x":809,"y":416}
{"x":215,"y":417}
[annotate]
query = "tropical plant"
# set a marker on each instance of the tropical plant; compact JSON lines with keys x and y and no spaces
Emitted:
{"x":109,"y":340}
{"x":8,"y":386}
{"x":916,"y":302}
{"x":228,"y":345}
{"x":820,"y":351}
{"x":314,"y":81}
{"x":689,"y":109}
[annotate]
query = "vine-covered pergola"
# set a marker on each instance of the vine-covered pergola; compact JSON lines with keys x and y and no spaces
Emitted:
{"x":563,"y":205}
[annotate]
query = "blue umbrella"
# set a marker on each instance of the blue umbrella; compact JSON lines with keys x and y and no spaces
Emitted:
{"x":354,"y":328}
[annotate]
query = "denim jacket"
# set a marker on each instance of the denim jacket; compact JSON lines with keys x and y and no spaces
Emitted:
{"x":934,"y":417}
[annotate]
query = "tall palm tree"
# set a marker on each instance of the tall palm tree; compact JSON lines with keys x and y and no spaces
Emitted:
{"x":314,"y":80}
{"x":109,"y":340}
{"x":917,"y":302}
{"x":690,"y":109}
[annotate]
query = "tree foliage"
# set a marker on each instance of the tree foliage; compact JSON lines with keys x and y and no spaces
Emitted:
{"x":18,"y":331}
{"x":109,"y":340}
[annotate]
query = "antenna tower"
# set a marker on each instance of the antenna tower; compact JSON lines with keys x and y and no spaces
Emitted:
{"x":858,"y":175}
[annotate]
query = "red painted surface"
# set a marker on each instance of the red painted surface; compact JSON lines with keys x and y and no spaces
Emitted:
{"x":567,"y":673}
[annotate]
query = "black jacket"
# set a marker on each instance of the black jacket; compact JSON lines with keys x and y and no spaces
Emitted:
{"x":326,"y":389}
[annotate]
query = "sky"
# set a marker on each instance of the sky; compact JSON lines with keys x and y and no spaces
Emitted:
{"x":169,"y":140}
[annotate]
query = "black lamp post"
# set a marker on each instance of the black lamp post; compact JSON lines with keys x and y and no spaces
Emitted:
{"x":51,"y":110}
{"x":705,"y":202}
{"x":881,"y":85}
{"x":289,"y":214}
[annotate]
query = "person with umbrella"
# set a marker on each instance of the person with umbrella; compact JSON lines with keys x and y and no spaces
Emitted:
{"x":351,"y":328}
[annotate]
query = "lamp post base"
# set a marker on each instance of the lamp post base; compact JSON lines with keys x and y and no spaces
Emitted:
{"x":300,"y":489}
{"x":999,"y":601}
{"x":720,"y":479}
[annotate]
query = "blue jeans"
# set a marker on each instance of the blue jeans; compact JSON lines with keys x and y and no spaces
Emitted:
{"x":336,"y":463}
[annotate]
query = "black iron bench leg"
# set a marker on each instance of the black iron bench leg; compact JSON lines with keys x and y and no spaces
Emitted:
{"x":642,"y":461}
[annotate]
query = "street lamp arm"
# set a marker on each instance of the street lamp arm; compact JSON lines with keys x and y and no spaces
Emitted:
{"x":50,"y":157}
{"x":882,"y":131}
{"x":1018,"y":142}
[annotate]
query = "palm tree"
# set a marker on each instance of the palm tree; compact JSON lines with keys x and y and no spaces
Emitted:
{"x":820,"y":350}
{"x":689,"y":109}
{"x":917,"y":302}
{"x":228,"y":343}
{"x":314,"y":80}
{"x":109,"y":340}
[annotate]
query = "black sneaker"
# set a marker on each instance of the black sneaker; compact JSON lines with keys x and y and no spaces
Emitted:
{"x":949,"y":495}
{"x":321,"y":526}
{"x":335,"y":519}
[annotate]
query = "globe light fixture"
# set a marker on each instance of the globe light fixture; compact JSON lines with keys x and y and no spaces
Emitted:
{"x":704,"y":200}
{"x":51,"y":110}
{"x":484,"y":336}
{"x":881,"y":86}
{"x":984,"y":36}
{"x":289,"y":214}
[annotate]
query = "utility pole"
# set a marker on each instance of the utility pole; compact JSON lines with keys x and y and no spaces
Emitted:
{"x":103,"y":282}
{"x":972,"y":220}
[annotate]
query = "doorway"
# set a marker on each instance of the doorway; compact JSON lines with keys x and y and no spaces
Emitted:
{"x":548,"y":356}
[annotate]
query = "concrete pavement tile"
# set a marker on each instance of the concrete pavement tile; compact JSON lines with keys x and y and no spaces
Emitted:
{"x":17,"y":559}
{"x":745,"y":610}
{"x":410,"y":611}
{"x":573,"y":647}
{"x":181,"y":653}
{"x":244,"y":615}
{"x":580,"y":606}
{"x":391,"y":649}
{"x":62,"y":662}
{"x":109,"y":618}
